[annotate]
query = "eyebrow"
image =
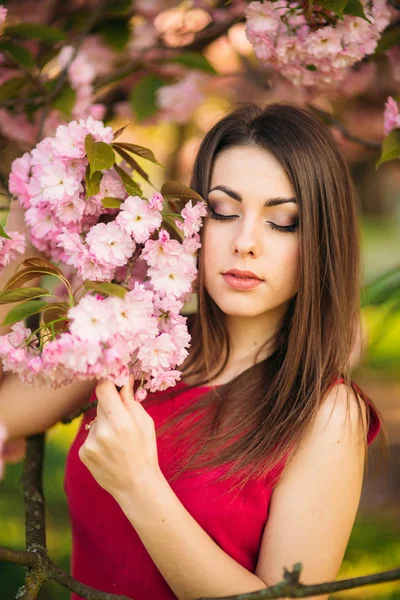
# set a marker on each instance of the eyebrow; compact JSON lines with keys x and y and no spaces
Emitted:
{"x":236,"y":196}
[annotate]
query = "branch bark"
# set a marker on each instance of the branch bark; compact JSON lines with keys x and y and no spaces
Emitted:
{"x":328,"y":118}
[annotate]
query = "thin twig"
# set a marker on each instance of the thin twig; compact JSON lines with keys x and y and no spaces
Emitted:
{"x":69,"y":418}
{"x":291,"y":588}
{"x":327,"y":117}
{"x":96,"y":14}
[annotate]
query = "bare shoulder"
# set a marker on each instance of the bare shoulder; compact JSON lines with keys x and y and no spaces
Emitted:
{"x":317,"y":495}
{"x":342,"y":412}
{"x":336,"y":437}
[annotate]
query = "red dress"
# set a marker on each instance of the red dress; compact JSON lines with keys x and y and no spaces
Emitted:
{"x":107,"y":553}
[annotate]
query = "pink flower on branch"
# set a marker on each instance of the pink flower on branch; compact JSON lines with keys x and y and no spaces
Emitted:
{"x":139,"y":330}
{"x":310,"y":49}
{"x":10,"y":248}
{"x":391,"y":116}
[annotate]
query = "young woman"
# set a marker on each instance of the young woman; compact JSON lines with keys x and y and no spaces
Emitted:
{"x":255,"y":460}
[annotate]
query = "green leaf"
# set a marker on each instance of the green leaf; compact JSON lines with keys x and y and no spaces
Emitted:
{"x":42,"y":263}
{"x":35,"y":31}
{"x":141,"y":151}
{"x":21,"y":55}
{"x":179,"y":190}
{"x":12,"y":87}
{"x":170,"y":222}
{"x":131,"y":161}
{"x":22,"y":294}
{"x":383,"y":288}
{"x":121,"y":130}
{"x":23,"y":310}
{"x":109,"y":202}
{"x":143,"y":96}
{"x":390,"y":147}
{"x":390,"y":38}
{"x":132,"y":188}
{"x":336,"y":6}
{"x":4,"y":234}
{"x":311,"y":68}
{"x":65,"y":100}
{"x":111,"y":289}
{"x":92,"y":183}
{"x":118,"y":7}
{"x":194,"y":60}
{"x":100,"y":155}
{"x":31,"y":272}
{"x":116,"y":33}
{"x":355,"y":8}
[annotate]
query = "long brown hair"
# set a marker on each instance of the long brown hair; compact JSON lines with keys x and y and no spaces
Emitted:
{"x":259,"y":418}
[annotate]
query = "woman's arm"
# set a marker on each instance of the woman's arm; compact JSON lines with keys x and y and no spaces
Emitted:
{"x":26,"y":410}
{"x":315,"y":502}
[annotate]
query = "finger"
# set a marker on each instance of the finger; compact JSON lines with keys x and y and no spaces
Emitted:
{"x":127,"y":394}
{"x":109,"y":405}
{"x":135,"y":408}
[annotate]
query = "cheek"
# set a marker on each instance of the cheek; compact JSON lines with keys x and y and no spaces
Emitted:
{"x":211,"y":247}
{"x":287,"y":264}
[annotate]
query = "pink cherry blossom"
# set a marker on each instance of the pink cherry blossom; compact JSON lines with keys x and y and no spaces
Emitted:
{"x":10,"y":248}
{"x":317,"y":56}
{"x":69,"y":141}
{"x":110,"y":244}
{"x":391,"y":116}
{"x":58,"y":181}
{"x":163,"y":380}
{"x":19,"y":333}
{"x":19,"y":178}
{"x":156,"y":202}
{"x":17,"y":127}
{"x":157,"y":354}
{"x":3,"y":14}
{"x":103,"y":336}
{"x":172,"y":281}
{"x":178,"y":101}
{"x":163,"y":252}
{"x":137,"y":219}
{"x":192,"y":218}
{"x":141,"y":394}
{"x":90,"y":320}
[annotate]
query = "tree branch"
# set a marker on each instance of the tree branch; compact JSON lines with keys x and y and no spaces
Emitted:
{"x":77,"y":413}
{"x":291,"y":588}
{"x":96,"y":14}
{"x":328,"y":118}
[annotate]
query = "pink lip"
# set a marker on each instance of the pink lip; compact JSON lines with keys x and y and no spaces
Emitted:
{"x":241,"y":280}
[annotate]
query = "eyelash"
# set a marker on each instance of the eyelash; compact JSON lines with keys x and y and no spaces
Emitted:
{"x":288,"y":229}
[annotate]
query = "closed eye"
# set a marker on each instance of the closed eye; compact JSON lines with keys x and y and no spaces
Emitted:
{"x":284,"y":229}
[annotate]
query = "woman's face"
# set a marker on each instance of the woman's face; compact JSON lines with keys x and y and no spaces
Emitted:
{"x":250,"y":198}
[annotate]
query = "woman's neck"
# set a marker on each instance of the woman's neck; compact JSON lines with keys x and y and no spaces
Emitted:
{"x":252,"y":339}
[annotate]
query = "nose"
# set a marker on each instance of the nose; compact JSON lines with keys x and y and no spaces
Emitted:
{"x":246,"y":241}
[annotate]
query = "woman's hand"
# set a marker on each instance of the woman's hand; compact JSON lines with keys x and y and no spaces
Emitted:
{"x":121,"y":449}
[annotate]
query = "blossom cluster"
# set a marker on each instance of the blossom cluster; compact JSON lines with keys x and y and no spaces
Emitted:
{"x":49,"y":182}
{"x":9,"y":248}
{"x":134,"y":327}
{"x":315,"y":49}
{"x":391,"y":116}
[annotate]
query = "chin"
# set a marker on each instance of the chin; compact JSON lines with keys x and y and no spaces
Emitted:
{"x":242,"y":307}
